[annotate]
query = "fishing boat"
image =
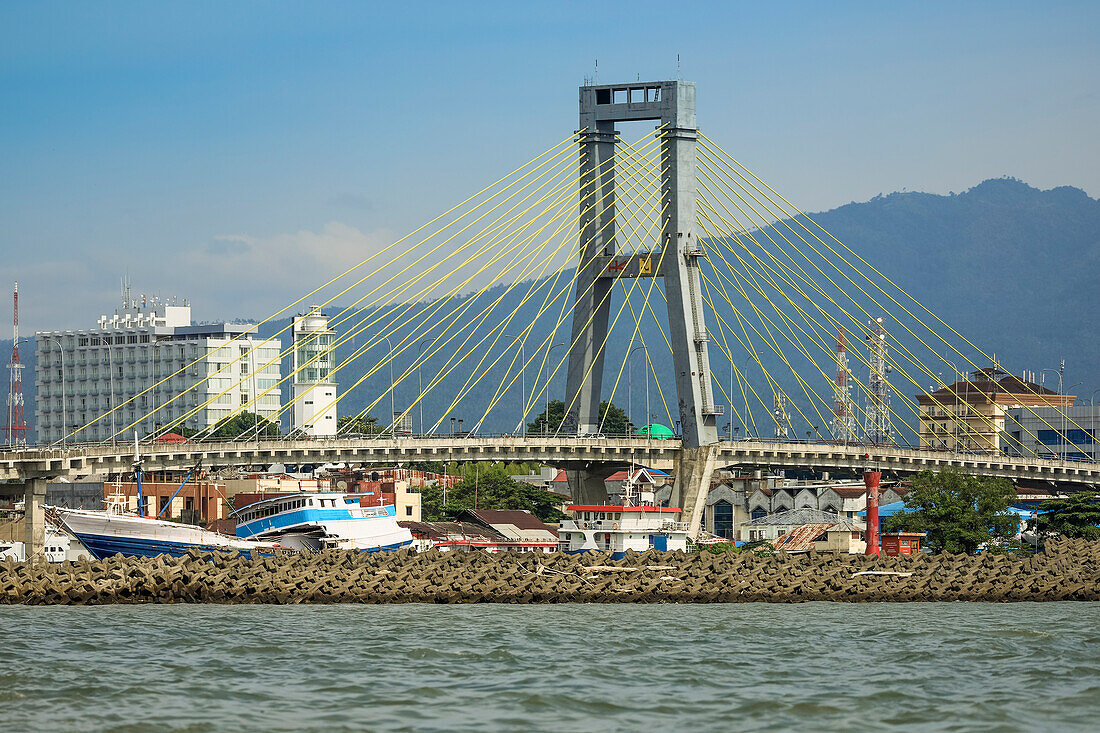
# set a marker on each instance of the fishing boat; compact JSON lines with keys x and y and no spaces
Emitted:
{"x":616,"y":529}
{"x":318,"y":520}
{"x":115,"y":530}
{"x":638,"y":524}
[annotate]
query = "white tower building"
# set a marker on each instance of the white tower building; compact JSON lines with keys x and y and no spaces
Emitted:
{"x":314,"y":391}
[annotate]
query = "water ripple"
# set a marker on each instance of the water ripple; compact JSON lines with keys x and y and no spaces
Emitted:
{"x":945,"y":666}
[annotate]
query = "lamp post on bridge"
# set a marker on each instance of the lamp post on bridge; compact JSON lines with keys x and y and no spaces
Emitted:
{"x":546,"y":392}
{"x":389,"y":359}
{"x":1042,"y":381}
{"x":522,"y":381}
{"x":1065,"y":423}
{"x":628,"y":382}
{"x":156,"y":344}
{"x":104,"y":341}
{"x":419,"y":381}
{"x":64,"y":410}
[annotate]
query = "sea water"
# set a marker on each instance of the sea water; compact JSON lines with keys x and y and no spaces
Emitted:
{"x":813,"y":666}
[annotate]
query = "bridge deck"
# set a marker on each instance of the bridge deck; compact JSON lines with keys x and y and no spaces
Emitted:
{"x":89,"y":459}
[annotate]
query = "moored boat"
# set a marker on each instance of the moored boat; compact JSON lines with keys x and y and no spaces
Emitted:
{"x":114,"y":531}
{"x":616,"y":529}
{"x":318,"y":520}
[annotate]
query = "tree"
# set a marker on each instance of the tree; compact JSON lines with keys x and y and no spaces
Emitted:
{"x":958,"y":512}
{"x":1076,"y":515}
{"x":244,"y":423}
{"x":612,"y":419}
{"x":488,"y":486}
{"x":358,"y":425}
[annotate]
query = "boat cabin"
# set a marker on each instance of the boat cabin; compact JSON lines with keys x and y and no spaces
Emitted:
{"x":616,"y":529}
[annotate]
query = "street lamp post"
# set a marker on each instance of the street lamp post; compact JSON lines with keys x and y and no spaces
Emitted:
{"x":419,"y":381}
{"x":546,"y":393}
{"x":744,"y":373}
{"x":955,"y":395}
{"x":1042,"y":381}
{"x":628,"y":382}
{"x":111,"y":402}
{"x":522,"y":380}
{"x":1065,"y":422}
{"x":156,"y":379}
{"x":64,"y":410}
{"x":389,"y":359}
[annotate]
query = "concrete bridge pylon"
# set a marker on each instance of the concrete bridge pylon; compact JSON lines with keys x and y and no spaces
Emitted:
{"x":672,"y":105}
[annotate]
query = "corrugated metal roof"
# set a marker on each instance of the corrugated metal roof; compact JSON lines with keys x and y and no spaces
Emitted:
{"x":806,"y":515}
{"x":801,"y":538}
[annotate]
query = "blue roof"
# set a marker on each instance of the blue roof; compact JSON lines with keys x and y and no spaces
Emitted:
{"x":886,"y":510}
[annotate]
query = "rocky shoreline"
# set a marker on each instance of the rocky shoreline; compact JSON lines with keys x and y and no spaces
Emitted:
{"x":1067,"y":570}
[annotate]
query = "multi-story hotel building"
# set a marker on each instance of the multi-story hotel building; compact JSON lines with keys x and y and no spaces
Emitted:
{"x":969,"y":415}
{"x":82,"y":374}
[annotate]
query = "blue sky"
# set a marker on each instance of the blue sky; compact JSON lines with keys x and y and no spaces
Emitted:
{"x":148,"y":138}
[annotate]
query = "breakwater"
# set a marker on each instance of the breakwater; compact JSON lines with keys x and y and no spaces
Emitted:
{"x":1067,"y":570}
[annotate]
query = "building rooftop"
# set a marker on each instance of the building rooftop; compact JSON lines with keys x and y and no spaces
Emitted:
{"x":984,"y":385}
{"x":798,"y":517}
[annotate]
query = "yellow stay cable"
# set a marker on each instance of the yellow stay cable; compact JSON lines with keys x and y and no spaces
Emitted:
{"x":876,"y":286}
{"x":183,"y":369}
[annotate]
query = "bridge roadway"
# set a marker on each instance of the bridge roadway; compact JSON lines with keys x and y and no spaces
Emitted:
{"x":83,"y":460}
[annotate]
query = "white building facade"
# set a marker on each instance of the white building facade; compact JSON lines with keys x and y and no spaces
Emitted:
{"x":314,"y":389}
{"x":82,"y":374}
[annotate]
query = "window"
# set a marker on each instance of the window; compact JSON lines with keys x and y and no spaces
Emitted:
{"x":723,"y":519}
{"x":408,"y":511}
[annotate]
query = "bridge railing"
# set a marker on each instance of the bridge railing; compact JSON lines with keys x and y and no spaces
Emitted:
{"x":151,"y":444}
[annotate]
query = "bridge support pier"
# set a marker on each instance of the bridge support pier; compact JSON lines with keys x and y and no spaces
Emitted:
{"x":694,"y":468}
{"x":35,"y":522}
{"x":587,"y":482}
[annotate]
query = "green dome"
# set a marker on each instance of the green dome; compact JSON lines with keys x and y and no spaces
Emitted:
{"x":656,"y":430}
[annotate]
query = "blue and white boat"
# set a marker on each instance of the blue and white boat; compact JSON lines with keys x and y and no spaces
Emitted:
{"x":115,"y":531}
{"x":318,"y":520}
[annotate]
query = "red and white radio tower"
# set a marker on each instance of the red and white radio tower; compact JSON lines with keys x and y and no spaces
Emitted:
{"x":844,"y":419}
{"x":16,"y":427}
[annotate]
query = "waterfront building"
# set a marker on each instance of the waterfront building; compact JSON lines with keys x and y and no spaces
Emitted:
{"x":969,"y":415}
{"x":212,"y":370}
{"x":737,"y":500}
{"x":314,"y":390}
{"x":901,"y":543}
{"x":1050,"y":432}
{"x":490,"y":530}
{"x":800,"y":530}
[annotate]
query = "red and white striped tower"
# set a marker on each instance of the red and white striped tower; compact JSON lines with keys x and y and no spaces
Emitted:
{"x":844,"y":418}
{"x":871,"y":480}
{"x":16,"y":427}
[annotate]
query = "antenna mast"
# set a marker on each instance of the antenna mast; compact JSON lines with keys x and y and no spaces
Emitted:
{"x":779,"y":409}
{"x":876,"y":422}
{"x":844,"y":414}
{"x":16,"y":427}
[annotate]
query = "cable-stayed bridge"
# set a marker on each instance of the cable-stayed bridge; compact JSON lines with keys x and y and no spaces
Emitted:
{"x":747,"y":318}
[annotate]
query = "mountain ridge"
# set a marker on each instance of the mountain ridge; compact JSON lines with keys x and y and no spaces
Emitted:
{"x":1010,"y":266}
